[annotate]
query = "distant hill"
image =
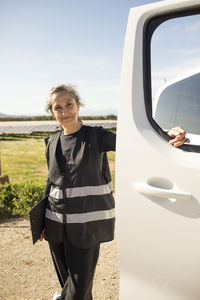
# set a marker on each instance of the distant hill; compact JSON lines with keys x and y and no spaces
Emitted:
{"x":90,"y":112}
{"x":5,"y":118}
{"x":83,"y":113}
{"x":11,"y":116}
{"x":4,"y":115}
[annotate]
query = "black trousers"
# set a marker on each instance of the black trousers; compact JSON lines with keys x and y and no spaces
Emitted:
{"x":75,"y":269}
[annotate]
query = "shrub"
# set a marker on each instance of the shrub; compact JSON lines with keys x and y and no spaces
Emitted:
{"x":18,"y":199}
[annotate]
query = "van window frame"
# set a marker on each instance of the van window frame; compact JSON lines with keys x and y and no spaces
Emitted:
{"x":149,"y":27}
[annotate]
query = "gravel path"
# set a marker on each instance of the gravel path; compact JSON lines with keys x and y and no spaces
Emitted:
{"x":27,"y":271}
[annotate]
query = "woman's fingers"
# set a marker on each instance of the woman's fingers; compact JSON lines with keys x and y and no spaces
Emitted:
{"x":41,"y":236}
{"x":178,"y":133}
{"x":178,"y":138}
{"x":174,"y":132}
{"x":178,"y":142}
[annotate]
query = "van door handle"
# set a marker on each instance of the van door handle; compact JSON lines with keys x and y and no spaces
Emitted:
{"x":148,"y":190}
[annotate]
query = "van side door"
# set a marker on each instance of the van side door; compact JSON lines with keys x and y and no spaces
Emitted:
{"x":157,"y":185}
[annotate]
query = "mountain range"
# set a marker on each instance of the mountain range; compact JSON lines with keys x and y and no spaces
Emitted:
{"x":88,"y":112}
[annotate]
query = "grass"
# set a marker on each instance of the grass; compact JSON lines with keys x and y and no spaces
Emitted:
{"x":23,"y":159}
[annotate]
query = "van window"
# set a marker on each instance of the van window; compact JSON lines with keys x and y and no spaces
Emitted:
{"x":175,"y":75}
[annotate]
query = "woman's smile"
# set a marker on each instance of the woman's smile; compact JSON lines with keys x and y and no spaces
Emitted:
{"x":66,"y":118}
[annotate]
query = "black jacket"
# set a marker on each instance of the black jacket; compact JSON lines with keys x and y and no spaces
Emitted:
{"x":81,"y":198}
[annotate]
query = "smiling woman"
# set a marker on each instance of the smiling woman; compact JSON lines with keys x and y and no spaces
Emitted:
{"x":80,"y":208}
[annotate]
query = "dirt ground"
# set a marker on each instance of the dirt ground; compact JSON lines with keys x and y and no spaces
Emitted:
{"x":27,"y":271}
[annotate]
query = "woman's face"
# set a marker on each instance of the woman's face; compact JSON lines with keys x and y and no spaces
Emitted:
{"x":65,"y":109}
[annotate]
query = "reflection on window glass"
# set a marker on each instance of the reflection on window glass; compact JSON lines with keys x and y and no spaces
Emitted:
{"x":175,"y":63}
{"x":184,"y":97}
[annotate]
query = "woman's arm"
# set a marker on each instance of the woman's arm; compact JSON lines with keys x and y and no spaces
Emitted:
{"x":47,"y":188}
{"x":48,"y":184}
{"x":46,"y":192}
{"x":107,"y":140}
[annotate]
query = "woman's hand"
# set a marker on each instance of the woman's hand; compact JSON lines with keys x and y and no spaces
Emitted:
{"x":178,"y":133}
{"x":42,"y":235}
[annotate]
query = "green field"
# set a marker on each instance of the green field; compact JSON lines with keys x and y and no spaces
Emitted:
{"x":23,"y":159}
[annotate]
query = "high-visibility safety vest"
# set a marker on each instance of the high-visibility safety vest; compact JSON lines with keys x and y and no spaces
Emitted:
{"x":81,"y":198}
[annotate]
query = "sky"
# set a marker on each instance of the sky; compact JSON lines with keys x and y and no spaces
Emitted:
{"x":48,"y":42}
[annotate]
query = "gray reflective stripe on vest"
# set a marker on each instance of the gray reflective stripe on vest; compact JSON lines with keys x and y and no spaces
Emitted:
{"x":54,"y":215}
{"x":81,"y":218}
{"x":55,"y":192}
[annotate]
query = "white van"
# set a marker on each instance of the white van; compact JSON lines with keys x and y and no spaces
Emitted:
{"x":157,"y":185}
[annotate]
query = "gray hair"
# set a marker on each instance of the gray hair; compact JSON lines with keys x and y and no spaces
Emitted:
{"x":68,"y":88}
